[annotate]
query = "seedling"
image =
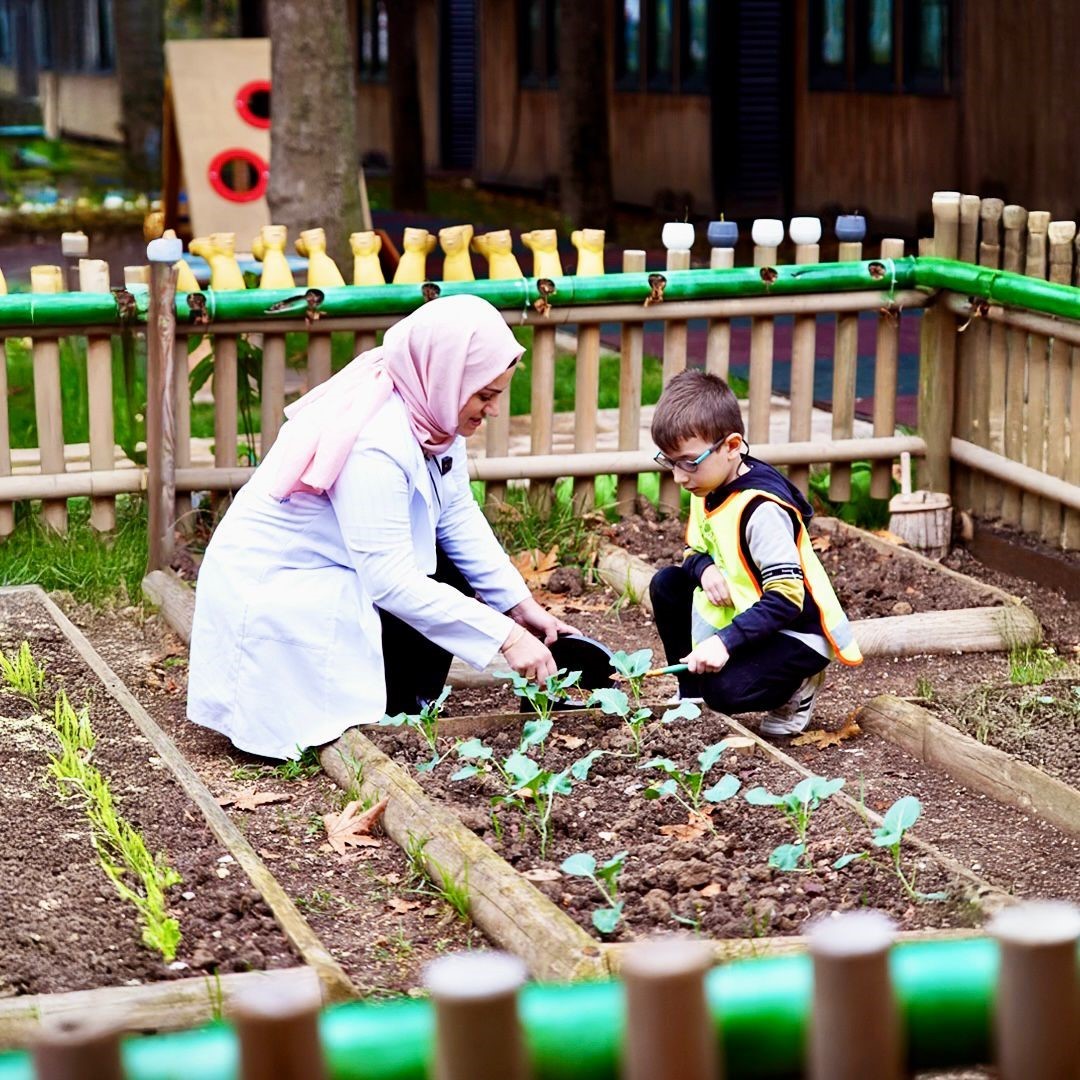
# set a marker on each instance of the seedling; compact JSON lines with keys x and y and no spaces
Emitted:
{"x":615,"y":702}
{"x":606,"y":879}
{"x":24,"y":675}
{"x":686,"y":787}
{"x":426,"y":723}
{"x":543,"y":699}
{"x":797,"y":806}
{"x":633,"y":667}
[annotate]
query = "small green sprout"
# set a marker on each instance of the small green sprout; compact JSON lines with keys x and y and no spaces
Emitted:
{"x":606,"y":879}
{"x":615,"y":702}
{"x":797,"y":806}
{"x":24,"y":675}
{"x":426,"y":723}
{"x":686,"y":787}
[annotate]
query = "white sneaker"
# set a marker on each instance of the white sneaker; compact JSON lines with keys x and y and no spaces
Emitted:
{"x":678,"y":699}
{"x":794,"y":715}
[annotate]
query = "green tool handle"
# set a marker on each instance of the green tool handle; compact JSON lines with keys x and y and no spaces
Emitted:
{"x":671,"y":669}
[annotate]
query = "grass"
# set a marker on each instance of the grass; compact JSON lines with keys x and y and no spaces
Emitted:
{"x":1032,"y":665}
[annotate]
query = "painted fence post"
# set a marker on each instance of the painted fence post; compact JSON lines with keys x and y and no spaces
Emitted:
{"x":845,"y":366}
{"x":631,"y":352}
{"x":94,"y":277}
{"x":678,"y":238}
{"x":885,"y":378}
{"x":723,"y":236}
{"x":47,"y":399}
{"x":767,"y":234}
{"x":806,"y":232}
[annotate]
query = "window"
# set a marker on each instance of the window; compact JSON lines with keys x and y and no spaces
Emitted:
{"x":372,"y":40}
{"x":6,"y":51}
{"x":538,"y":54}
{"x":890,"y":46}
{"x":662,"y":45}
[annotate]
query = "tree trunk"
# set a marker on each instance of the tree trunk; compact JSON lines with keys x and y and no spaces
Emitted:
{"x":140,"y":68}
{"x":584,"y":100}
{"x":408,"y":188}
{"x":313,"y":152}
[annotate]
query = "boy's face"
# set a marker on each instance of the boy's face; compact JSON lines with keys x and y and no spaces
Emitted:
{"x":719,"y":467}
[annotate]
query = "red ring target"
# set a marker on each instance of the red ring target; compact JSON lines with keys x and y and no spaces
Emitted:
{"x":220,"y":168}
{"x":256,"y":90}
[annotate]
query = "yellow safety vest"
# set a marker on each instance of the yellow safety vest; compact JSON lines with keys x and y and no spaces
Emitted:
{"x":719,"y":534}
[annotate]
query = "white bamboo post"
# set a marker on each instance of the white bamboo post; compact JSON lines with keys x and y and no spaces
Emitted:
{"x":7,"y":511}
{"x":1037,"y":372}
{"x":497,"y":442}
{"x":277,"y":1028}
{"x":670,"y":1032}
{"x":136,"y":275}
{"x":886,"y":366}
{"x":47,"y":399}
{"x":631,"y":351}
{"x":94,"y":277}
{"x":272,"y":404}
{"x":74,"y":246}
{"x":1037,"y":1007}
{"x":675,"y":342}
{"x":989,"y":404}
{"x":718,"y":334}
{"x":1072,"y":465}
{"x":761,"y":337}
{"x":1015,"y":221}
{"x":182,"y":515}
{"x":319,"y":358}
{"x":586,"y":406}
{"x":477,"y":1029}
{"x":542,"y":405}
{"x":1061,"y":235}
{"x":86,"y":1048}
{"x":803,"y":354}
{"x":845,"y":365}
{"x":967,"y":356}
{"x":225,"y":407}
{"x":855,"y":1026}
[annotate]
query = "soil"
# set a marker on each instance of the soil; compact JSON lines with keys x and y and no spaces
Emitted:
{"x":63,"y":924}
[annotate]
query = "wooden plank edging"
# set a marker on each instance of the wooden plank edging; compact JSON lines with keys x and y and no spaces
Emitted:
{"x":336,"y":985}
{"x":985,"y":768}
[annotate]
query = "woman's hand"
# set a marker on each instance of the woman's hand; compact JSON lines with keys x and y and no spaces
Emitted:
{"x":709,"y":657}
{"x":528,"y":657}
{"x":539,"y":621}
{"x":715,"y":586}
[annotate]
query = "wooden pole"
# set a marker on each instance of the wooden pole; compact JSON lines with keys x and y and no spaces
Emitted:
{"x":855,"y":1028}
{"x":967,"y":355}
{"x":160,"y":418}
{"x":542,"y":405}
{"x":1072,"y":465}
{"x":319,"y":359}
{"x":845,"y":366}
{"x":497,"y":443}
{"x":1037,"y":1006}
{"x":477,"y":1029}
{"x":1015,"y":221}
{"x":94,"y":277}
{"x":885,"y":379}
{"x":1023,"y":477}
{"x":86,"y":1048}
{"x":225,"y":407}
{"x":803,"y":354}
{"x":47,"y":399}
{"x":278,"y":1031}
{"x":1034,"y":449}
{"x":989,"y":401}
{"x":718,"y":334}
{"x":670,"y":1031}
{"x":937,"y":368}
{"x":586,"y":407}
{"x":182,"y":514}
{"x":7,"y":511}
{"x":675,"y":341}
{"x":632,"y":347}
{"x":761,"y":362}
{"x":272,"y":405}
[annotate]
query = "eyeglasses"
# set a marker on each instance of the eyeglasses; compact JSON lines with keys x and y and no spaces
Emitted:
{"x":687,"y":465}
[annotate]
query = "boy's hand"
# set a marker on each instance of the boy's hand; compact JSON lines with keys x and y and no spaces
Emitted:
{"x":710,"y":656}
{"x":715,"y":587}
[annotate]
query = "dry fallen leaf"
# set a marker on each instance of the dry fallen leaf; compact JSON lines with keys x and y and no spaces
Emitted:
{"x":401,"y":906}
{"x":266,"y":853}
{"x":571,"y":742}
{"x":541,"y":873}
{"x":821,"y":543}
{"x":695,"y":825}
{"x":249,"y":799}
{"x":889,"y":537}
{"x":712,"y":889}
{"x":536,"y":566}
{"x":828,"y":738}
{"x":347,"y":828}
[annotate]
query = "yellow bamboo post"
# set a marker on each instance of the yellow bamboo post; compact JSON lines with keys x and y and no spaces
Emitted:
{"x":87,"y":1048}
{"x":670,"y":1033}
{"x":1061,"y":235}
{"x":586,"y":406}
{"x":806,"y":232}
{"x":542,"y":406}
{"x":94,"y":277}
{"x":631,"y":351}
{"x":845,"y":365}
{"x":1036,"y":1034}
{"x":718,"y":334}
{"x":272,"y":405}
{"x":989,"y":400}
{"x":767,"y":234}
{"x":678,"y":237}
{"x":967,"y":359}
{"x":1072,"y":464}
{"x":1037,"y":371}
{"x":47,"y":399}
{"x":937,"y":369}
{"x":885,"y":378}
{"x":225,"y":408}
{"x":7,"y":510}
{"x":278,"y":1031}
{"x":855,"y":1028}
{"x":1015,"y":221}
{"x":477,"y":1028}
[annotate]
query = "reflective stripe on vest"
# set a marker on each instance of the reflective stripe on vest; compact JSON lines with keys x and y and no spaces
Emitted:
{"x":718,"y":533}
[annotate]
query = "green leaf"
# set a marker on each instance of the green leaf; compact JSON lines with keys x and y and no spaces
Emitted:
{"x":932,"y":895}
{"x":534,"y":732}
{"x":606,"y":919}
{"x":555,"y":784}
{"x":632,"y":664}
{"x":724,"y":789}
{"x":711,"y":755}
{"x":664,"y":763}
{"x":580,"y":769}
{"x":393,"y":721}
{"x":787,"y":856}
{"x":885,"y":838}
{"x":902,"y":814}
{"x":522,"y":769}
{"x":758,"y":796}
{"x":659,"y":791}
{"x":685,"y":710}
{"x":427,"y":766}
{"x":465,"y":773}
{"x":613,"y":866}
{"x":580,"y":865}
{"x":611,"y":701}
{"x":473,"y":748}
{"x":846,"y":860}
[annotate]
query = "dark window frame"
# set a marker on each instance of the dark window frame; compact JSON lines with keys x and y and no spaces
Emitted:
{"x":650,"y":77}
{"x":376,"y":70}
{"x":542,"y":75}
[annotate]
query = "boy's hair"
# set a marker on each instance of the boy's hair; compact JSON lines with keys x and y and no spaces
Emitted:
{"x":695,"y":403}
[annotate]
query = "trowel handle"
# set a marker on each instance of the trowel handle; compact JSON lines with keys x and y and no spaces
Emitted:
{"x":671,"y":669}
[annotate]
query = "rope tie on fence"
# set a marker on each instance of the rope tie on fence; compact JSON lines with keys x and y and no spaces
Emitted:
{"x":980,"y":307}
{"x":524,"y":282}
{"x":891,"y":310}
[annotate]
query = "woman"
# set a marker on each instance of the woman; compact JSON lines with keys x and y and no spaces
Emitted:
{"x":340,"y":582}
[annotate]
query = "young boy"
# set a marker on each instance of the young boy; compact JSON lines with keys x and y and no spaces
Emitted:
{"x":751,"y":610}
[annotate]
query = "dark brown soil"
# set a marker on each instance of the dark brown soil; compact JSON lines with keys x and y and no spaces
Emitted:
{"x":63,"y":925}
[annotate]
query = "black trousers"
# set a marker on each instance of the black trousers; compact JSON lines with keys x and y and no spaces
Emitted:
{"x":415,"y":667}
{"x":761,"y":675}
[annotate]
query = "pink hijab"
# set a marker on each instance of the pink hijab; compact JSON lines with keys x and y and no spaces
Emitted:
{"x":436,"y":359}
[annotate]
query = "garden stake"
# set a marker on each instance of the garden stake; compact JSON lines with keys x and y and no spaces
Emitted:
{"x":278,"y":1031}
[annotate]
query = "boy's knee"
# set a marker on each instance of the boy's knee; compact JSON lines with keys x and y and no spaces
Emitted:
{"x":667,"y":584}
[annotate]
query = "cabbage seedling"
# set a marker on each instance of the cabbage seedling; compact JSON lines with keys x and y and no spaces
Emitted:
{"x":543,"y":699}
{"x":615,"y":702}
{"x":426,"y":723}
{"x":686,"y":787}
{"x":797,"y":806}
{"x":606,"y":879}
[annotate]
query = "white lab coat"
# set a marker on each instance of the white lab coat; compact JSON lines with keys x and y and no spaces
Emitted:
{"x":286,"y":648}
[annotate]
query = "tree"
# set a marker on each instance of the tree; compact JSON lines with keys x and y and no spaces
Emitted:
{"x":584,"y":107}
{"x":313,"y":146}
{"x":408,"y":189}
{"x":140,"y":70}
